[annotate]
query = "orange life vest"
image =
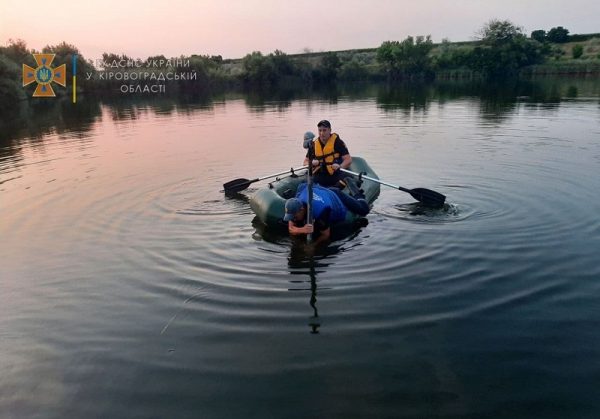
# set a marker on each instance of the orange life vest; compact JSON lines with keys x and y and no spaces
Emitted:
{"x":327,"y":154}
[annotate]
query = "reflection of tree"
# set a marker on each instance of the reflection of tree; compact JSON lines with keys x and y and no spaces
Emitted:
{"x":38,"y":118}
{"x":262,"y":100}
{"x":498,"y":101}
{"x":407,"y":98}
{"x":280,"y":99}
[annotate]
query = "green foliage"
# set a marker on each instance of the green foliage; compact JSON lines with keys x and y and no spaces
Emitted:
{"x":327,"y":70}
{"x":282,"y":64}
{"x":159,"y":58}
{"x":257,"y":68}
{"x":577,"y":51}
{"x":110,"y":59}
{"x":17,"y":51}
{"x":556,"y":53}
{"x":539,"y":35}
{"x":12,"y":58}
{"x":504,"y":50}
{"x":216,"y":59}
{"x":451,"y":56}
{"x":583,"y":37}
{"x":407,"y":59}
{"x":11,"y":91}
{"x":558,"y":35}
{"x":268,"y":70}
{"x":64,"y":55}
{"x":500,"y":32}
{"x":353,"y":70}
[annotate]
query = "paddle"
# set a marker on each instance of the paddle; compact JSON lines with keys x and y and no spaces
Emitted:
{"x":425,"y":196}
{"x":311,"y":155}
{"x":240,"y":184}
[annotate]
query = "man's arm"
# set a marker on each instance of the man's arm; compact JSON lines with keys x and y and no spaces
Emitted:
{"x":323,"y":237}
{"x":306,"y":229}
{"x":346,"y":161}
{"x":340,"y":147}
{"x":323,"y":227}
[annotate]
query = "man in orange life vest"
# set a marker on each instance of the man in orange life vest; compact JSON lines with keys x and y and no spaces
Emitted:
{"x":331,"y":154}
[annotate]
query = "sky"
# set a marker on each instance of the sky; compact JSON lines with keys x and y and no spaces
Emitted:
{"x":234,"y":28}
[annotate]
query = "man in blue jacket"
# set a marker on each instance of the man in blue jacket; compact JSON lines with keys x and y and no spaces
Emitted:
{"x":329,"y":206}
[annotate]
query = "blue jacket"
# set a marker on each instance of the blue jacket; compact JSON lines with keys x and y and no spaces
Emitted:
{"x":323,"y":198}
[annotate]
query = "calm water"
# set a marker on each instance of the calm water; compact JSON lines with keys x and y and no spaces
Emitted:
{"x":130,"y":286}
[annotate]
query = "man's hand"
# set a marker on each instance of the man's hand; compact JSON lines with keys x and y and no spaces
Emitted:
{"x":335,"y":166}
{"x":316,"y":162}
{"x":308,"y":228}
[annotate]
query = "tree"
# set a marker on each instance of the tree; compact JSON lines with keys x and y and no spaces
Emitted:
{"x":451,"y":56}
{"x":577,"y":51}
{"x":500,"y":32}
{"x":112,"y":60}
{"x":504,"y":50}
{"x":539,"y":35}
{"x":353,"y":70}
{"x":558,"y":35}
{"x":257,"y":69}
{"x":11,"y":91}
{"x":282,"y":64}
{"x":64,"y":55}
{"x":327,"y":70}
{"x":157,"y":58}
{"x":17,"y":51}
{"x":406,"y":59}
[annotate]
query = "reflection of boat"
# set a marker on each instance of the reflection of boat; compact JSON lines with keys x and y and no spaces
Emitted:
{"x":269,"y":203}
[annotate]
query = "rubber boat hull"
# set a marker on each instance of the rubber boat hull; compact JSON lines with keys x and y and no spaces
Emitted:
{"x":269,"y":203}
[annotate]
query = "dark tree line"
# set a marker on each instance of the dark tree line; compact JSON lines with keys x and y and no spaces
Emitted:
{"x":501,"y":50}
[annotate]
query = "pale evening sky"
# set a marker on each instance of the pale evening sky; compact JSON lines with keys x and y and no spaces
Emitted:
{"x":236,"y":27}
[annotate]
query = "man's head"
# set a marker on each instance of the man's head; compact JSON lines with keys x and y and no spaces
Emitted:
{"x":294,"y":210}
{"x":324,"y":127}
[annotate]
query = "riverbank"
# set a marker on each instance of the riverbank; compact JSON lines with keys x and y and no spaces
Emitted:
{"x":411,"y":60}
{"x":559,"y":62}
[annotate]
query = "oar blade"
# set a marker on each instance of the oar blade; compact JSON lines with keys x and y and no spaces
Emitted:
{"x":428,"y":197}
{"x":236,"y":185}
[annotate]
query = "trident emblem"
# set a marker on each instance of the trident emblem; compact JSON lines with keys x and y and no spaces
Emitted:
{"x":44,"y":75}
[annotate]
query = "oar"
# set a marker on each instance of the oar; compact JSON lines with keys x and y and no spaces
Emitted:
{"x":311,"y":155}
{"x":425,"y":196}
{"x":240,"y":184}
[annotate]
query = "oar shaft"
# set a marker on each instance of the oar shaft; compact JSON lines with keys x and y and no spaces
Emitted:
{"x":238,"y":185}
{"x":282,"y":173}
{"x":372,"y":179}
{"x":309,"y":218}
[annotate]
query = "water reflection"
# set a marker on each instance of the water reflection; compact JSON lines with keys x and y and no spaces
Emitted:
{"x":131,"y":108}
{"x":407,"y":98}
{"x":237,"y":197}
{"x":300,"y":262}
{"x":36,"y":118}
{"x":34,"y":122}
{"x":497,"y":101}
{"x":41,"y":118}
{"x":307,"y":261}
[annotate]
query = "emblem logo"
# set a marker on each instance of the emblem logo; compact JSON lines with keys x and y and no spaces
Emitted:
{"x":44,"y":75}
